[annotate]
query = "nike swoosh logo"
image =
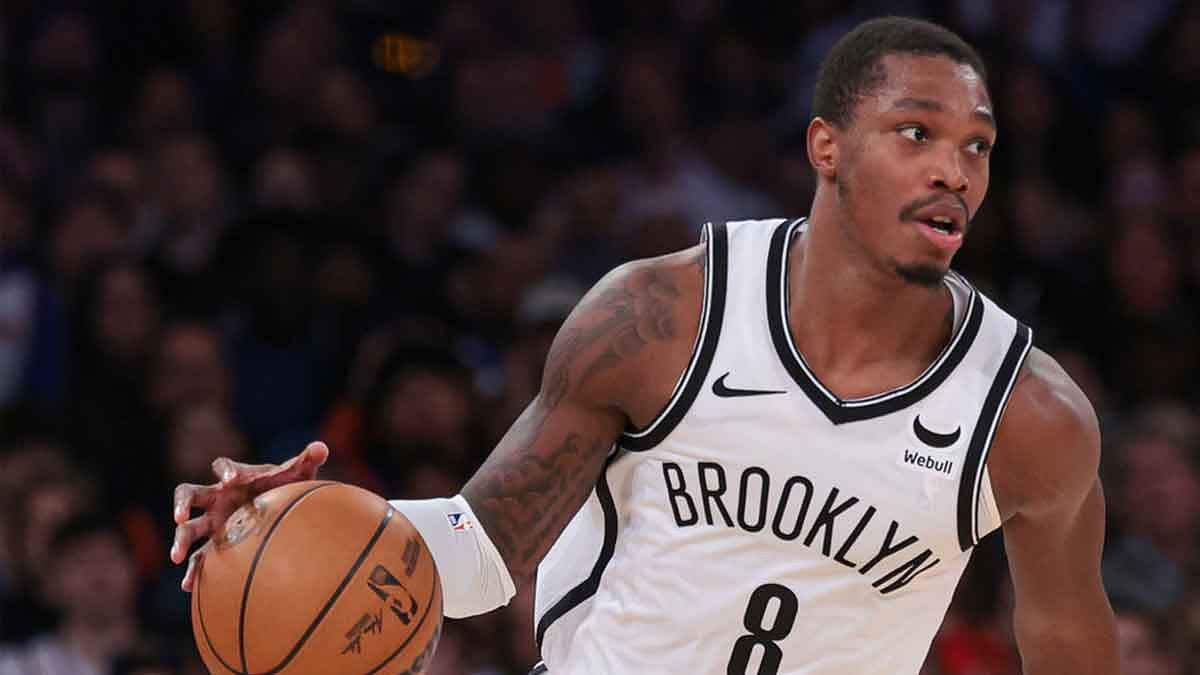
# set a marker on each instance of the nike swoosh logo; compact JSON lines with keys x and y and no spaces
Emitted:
{"x":933,"y":438}
{"x":724,"y":391}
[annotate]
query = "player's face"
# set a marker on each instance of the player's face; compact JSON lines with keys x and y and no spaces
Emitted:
{"x":913,"y":164}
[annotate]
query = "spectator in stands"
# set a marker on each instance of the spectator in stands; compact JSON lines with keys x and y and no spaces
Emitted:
{"x":189,"y":370}
{"x":114,"y":329}
{"x":1155,"y":488}
{"x":89,"y":578}
{"x":52,"y":494}
{"x":32,"y":327}
{"x":1145,"y":646}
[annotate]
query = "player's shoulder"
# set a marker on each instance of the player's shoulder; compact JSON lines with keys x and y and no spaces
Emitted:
{"x":633,"y":322}
{"x":1048,"y":402}
{"x":685,"y":262}
{"x":658,"y":287}
{"x":669,"y":289}
{"x":677,"y":279}
{"x":641,"y":320}
{"x":715,"y":235}
{"x":1048,"y":445}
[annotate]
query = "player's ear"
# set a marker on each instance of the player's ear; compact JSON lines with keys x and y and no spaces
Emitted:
{"x":822,"y":147}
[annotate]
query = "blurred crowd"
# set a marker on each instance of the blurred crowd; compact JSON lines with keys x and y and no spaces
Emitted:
{"x":230,"y":228}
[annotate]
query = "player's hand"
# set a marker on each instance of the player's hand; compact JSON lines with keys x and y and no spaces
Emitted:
{"x":238,"y":484}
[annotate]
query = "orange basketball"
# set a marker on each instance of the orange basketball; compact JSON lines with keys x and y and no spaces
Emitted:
{"x":317,"y":577}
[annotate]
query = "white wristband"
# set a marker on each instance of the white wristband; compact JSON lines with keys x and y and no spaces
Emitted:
{"x":475,"y":578}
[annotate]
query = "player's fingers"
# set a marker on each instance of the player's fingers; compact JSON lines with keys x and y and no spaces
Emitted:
{"x":314,"y":455}
{"x":187,"y":533}
{"x":189,"y":496}
{"x":232,"y":473}
{"x":193,"y":569}
{"x":301,"y":467}
{"x":306,"y":463}
{"x":304,"y":466}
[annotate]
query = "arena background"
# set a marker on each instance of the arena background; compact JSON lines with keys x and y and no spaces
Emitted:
{"x":233,"y":227}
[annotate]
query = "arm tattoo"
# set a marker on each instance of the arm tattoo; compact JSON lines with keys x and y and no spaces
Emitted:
{"x":524,"y":498}
{"x":545,"y":468}
{"x":634,"y":313}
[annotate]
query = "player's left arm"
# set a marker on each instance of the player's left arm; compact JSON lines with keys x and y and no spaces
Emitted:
{"x":1044,"y":471}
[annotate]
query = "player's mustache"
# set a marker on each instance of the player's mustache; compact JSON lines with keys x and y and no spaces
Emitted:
{"x":911,"y":208}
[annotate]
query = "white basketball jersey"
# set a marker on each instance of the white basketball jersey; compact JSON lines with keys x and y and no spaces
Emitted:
{"x":763,"y":525}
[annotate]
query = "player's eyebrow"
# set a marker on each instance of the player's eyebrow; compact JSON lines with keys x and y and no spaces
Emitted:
{"x":981,"y":113}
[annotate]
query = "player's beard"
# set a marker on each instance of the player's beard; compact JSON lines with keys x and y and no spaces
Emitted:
{"x":919,"y":274}
{"x":926,"y":276}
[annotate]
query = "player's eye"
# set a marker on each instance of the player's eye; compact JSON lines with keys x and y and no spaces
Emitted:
{"x":915,"y":133}
{"x":980,"y":148}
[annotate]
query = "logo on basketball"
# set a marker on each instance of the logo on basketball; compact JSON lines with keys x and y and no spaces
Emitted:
{"x":412,"y":555}
{"x":398,"y":599}
{"x":390,"y":590}
{"x":367,"y":625}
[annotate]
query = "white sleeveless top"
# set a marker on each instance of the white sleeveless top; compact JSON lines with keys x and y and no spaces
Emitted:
{"x":763,"y":525}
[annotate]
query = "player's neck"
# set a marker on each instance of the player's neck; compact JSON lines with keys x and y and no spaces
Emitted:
{"x":850,"y":319}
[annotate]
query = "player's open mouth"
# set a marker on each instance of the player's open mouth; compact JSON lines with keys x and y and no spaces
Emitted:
{"x":942,"y":232}
{"x":942,"y":224}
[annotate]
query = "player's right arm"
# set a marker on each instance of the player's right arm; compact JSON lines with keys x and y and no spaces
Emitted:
{"x":544,"y":468}
{"x":613,"y":360}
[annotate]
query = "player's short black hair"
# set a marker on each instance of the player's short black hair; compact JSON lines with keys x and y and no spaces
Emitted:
{"x":853,"y":67}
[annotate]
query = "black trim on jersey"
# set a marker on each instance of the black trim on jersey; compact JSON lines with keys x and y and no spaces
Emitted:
{"x":716,"y":277}
{"x":841,"y":411}
{"x":588,"y":587}
{"x":985,"y":431}
{"x":539,"y":669}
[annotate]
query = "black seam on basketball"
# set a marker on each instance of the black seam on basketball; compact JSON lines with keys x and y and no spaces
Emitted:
{"x":981,"y":438}
{"x":437,"y":584}
{"x":387,"y":517}
{"x":211,"y":648}
{"x":717,"y":282}
{"x":200,"y":610}
{"x":262,"y":545}
{"x":588,"y":587}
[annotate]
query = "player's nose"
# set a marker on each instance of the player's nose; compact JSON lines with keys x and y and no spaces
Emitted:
{"x":946,"y":173}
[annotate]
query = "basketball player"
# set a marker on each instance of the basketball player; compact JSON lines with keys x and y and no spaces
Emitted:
{"x":774,"y":452}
